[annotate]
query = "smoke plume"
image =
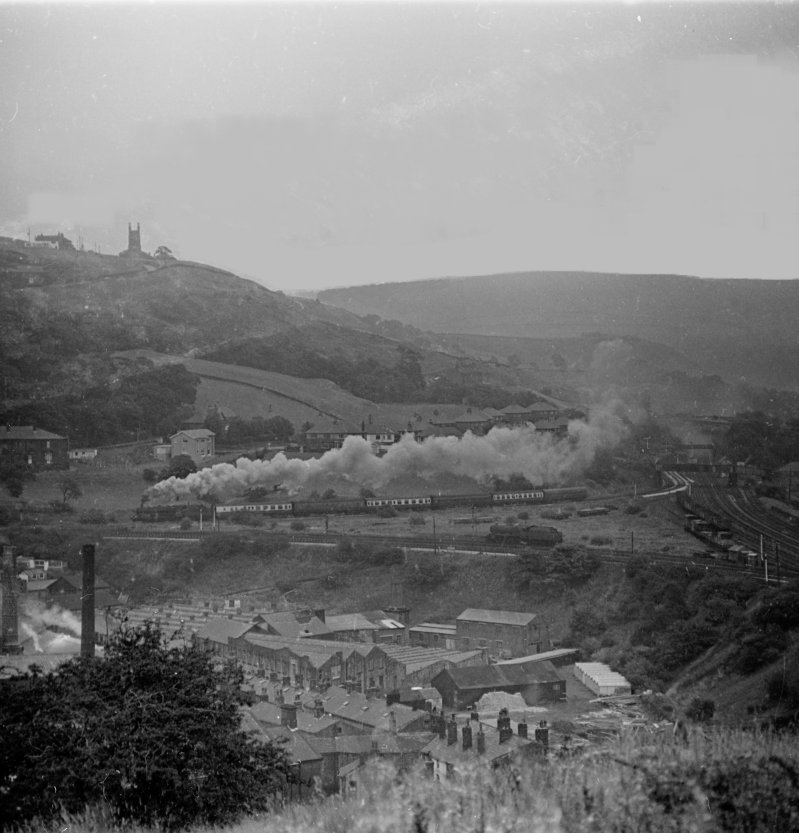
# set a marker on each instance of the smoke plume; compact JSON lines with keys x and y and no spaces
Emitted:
{"x":540,"y":456}
{"x":39,"y":617}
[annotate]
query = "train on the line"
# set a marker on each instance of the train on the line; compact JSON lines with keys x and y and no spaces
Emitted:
{"x":355,"y":506}
{"x":534,"y":536}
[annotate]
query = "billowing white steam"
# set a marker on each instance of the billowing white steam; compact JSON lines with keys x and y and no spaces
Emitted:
{"x":39,"y":617}
{"x":34,"y":621}
{"x":539,"y":456}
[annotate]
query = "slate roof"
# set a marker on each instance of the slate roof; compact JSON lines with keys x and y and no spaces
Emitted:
{"x":498,"y":676}
{"x":557,"y":653}
{"x":415,"y":657}
{"x":269,"y":714}
{"x":37,"y":585}
{"x":434,"y":627}
{"x":497,"y":617}
{"x":286,"y":624}
{"x":318,"y":651}
{"x":358,"y":708}
{"x":220,"y":630}
{"x":349,"y":622}
{"x":27,"y":432}
{"x":194,"y":433}
{"x":456,"y":755}
{"x":298,"y":747}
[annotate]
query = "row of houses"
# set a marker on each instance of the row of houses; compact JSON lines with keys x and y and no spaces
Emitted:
{"x":331,"y":433}
{"x":335,"y":739}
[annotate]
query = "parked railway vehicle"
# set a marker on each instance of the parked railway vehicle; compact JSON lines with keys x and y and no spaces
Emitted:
{"x":541,"y":536}
{"x":344,"y":506}
{"x":717,"y":537}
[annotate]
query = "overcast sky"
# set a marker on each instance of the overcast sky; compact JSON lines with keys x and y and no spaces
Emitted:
{"x":314,"y":145}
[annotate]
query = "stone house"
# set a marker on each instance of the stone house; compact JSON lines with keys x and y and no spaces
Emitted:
{"x":197,"y":443}
{"x":34,"y":448}
{"x":504,"y":633}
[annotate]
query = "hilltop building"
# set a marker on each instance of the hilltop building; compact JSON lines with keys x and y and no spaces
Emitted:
{"x":134,"y":249}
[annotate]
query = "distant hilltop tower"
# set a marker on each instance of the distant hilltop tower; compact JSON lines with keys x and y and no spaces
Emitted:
{"x":134,"y":243}
{"x":134,"y":239}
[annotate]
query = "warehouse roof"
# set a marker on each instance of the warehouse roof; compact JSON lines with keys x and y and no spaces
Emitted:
{"x":220,"y":630}
{"x":557,"y":653}
{"x":434,"y":627}
{"x":497,"y":676}
{"x":496,"y":617}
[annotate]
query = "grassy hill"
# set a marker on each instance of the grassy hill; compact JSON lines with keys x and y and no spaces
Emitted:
{"x":740,"y":329}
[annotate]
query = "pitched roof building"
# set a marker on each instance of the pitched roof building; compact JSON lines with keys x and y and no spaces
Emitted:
{"x":34,"y":448}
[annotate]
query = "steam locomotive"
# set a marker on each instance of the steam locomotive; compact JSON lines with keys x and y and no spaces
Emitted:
{"x":356,"y":506}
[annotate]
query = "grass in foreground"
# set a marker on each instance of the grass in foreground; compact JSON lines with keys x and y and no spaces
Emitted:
{"x":741,"y":782}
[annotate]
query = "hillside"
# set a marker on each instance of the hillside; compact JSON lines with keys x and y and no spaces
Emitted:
{"x":743,"y":330}
{"x":247,"y":392}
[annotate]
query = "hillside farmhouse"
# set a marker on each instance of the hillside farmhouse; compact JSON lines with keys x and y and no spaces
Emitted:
{"x":197,"y":443}
{"x":32,"y":447}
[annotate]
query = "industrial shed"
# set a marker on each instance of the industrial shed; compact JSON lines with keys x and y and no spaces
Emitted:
{"x":537,"y":682}
{"x":601,"y":679}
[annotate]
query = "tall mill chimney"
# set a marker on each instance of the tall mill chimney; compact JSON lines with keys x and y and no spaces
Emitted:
{"x":87,"y":603}
{"x":9,"y":624}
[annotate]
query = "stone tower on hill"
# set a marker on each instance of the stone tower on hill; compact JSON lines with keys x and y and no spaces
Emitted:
{"x":134,"y":239}
{"x":134,"y":243}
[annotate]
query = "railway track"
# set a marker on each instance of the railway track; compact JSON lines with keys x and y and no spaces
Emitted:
{"x":751,"y":524}
{"x":441,"y":545}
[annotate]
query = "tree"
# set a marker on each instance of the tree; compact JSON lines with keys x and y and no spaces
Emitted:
{"x":149,"y":733}
{"x":179,"y":466}
{"x":13,"y":475}
{"x":164,"y":253}
{"x":70,"y":489}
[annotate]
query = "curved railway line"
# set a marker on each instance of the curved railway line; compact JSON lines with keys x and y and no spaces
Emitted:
{"x":751,"y":524}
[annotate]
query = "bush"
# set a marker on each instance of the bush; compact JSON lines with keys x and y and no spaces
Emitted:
{"x":150,"y":734}
{"x":297,"y":526}
{"x":185,"y":523}
{"x":387,"y":512}
{"x":601,"y":540}
{"x":92,"y":516}
{"x":780,"y":608}
{"x":633,"y":508}
{"x":417,"y":520}
{"x":149,"y":475}
{"x":523,"y":516}
{"x":9,"y":515}
{"x":700,"y":710}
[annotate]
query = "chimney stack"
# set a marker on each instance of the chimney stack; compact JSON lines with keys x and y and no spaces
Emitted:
{"x":392,"y":722}
{"x":522,"y":727}
{"x":542,"y":734}
{"x":9,"y":616}
{"x":87,"y":603}
{"x":481,"y":741}
{"x":288,"y":715}
{"x":318,"y":707}
{"x":452,"y":731}
{"x":503,"y":726}
{"x":467,"y":737}
{"x":441,"y":726}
